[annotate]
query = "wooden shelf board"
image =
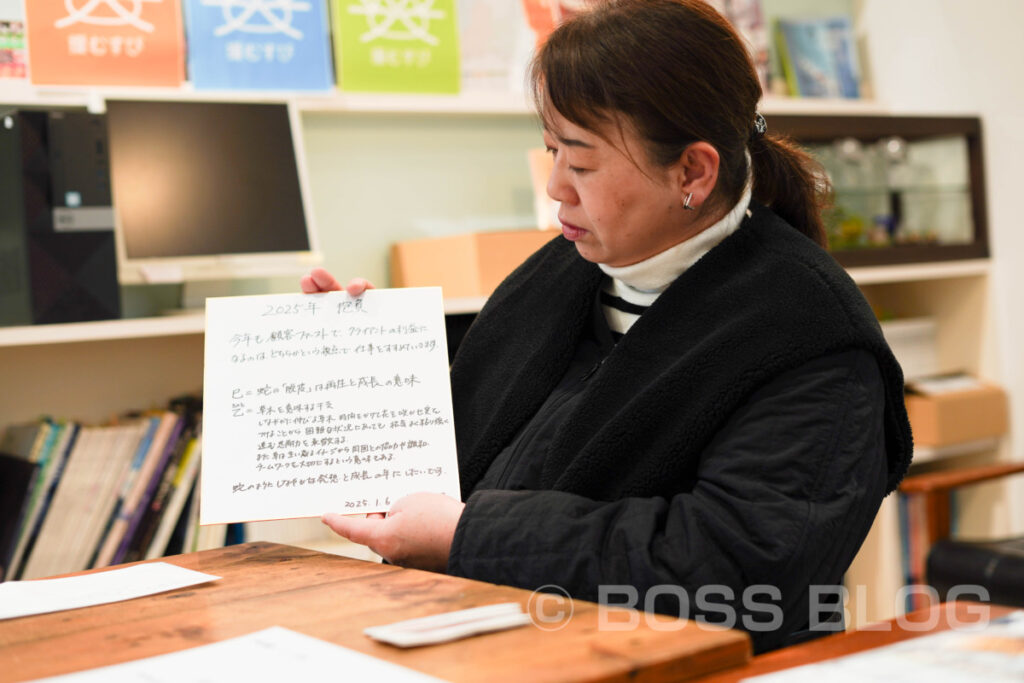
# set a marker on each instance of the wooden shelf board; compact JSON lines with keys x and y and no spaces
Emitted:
{"x":932,"y":453}
{"x":501,"y":103}
{"x":811,"y":106}
{"x":103,"y":330}
{"x":470,"y":304}
{"x":21,"y":92}
{"x":194,"y":323}
{"x":164,"y":326}
{"x":910,"y":272}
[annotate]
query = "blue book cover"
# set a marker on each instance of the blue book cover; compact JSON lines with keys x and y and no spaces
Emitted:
{"x":839,"y":32}
{"x":819,"y":57}
{"x":259,"y":45}
{"x":154,"y":481}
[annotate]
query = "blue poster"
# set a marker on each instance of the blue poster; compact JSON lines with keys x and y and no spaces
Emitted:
{"x":258,"y":44}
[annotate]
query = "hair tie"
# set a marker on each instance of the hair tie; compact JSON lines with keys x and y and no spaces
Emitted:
{"x":760,"y":125}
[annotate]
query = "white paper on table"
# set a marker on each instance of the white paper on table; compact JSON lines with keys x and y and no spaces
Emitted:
{"x":317,"y":403}
{"x":448,"y":626}
{"x":21,"y":598}
{"x":273,"y":655}
{"x":986,"y":651}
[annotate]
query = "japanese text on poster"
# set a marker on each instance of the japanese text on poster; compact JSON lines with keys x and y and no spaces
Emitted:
{"x":259,"y":44}
{"x":106,"y":42}
{"x":409,"y":47}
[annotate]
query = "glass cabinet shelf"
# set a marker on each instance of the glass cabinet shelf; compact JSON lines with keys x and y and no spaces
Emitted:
{"x":905,"y":188}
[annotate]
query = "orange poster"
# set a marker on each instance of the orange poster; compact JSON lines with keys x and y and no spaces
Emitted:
{"x":105,"y":42}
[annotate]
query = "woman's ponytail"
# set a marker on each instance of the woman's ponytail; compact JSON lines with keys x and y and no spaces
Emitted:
{"x":792,"y":183}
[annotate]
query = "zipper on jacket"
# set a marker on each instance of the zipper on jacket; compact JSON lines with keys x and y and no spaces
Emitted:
{"x":590,"y":373}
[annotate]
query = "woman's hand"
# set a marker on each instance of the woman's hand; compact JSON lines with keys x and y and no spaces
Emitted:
{"x":319,"y":280}
{"x":417,"y":532}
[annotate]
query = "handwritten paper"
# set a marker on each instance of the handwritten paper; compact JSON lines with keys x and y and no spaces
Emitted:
{"x":21,"y":598}
{"x":274,"y":654}
{"x":324,"y":403}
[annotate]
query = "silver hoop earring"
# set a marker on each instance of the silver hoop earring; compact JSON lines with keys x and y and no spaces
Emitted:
{"x":686,"y":203}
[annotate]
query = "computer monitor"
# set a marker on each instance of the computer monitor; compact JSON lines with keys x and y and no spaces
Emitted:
{"x":208,"y":191}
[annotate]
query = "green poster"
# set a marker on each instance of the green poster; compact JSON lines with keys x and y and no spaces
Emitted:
{"x":404,"y":46}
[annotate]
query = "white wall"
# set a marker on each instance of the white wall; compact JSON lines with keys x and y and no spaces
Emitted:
{"x":960,"y":56}
{"x":383,"y":178}
{"x":11,"y":9}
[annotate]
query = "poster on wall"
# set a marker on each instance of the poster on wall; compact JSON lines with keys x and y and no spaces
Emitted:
{"x":12,"y":49}
{"x":105,"y":42}
{"x":259,"y":45}
{"x":401,"y":47}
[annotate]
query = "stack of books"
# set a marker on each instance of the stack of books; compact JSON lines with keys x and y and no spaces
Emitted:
{"x":78,"y":496}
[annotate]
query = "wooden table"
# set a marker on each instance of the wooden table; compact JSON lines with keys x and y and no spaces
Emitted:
{"x":334,"y":598}
{"x":877,"y":635}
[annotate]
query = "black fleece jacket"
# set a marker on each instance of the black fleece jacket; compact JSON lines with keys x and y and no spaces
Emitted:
{"x":742,"y":433}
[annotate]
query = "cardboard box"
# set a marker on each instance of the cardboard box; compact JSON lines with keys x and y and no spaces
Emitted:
{"x":942,"y":419}
{"x":469,"y":265}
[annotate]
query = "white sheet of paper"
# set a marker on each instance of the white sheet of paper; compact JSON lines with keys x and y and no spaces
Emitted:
{"x":987,"y":652}
{"x":21,"y":598}
{"x":272,"y":655}
{"x":317,"y":403}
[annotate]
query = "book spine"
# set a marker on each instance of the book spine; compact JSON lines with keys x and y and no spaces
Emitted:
{"x":154,"y":482}
{"x":103,"y":548}
{"x":180,"y":487}
{"x":59,"y":467}
{"x":786,"y":61}
{"x":158,"y":503}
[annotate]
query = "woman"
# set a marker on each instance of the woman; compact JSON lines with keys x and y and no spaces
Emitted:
{"x":686,"y":405}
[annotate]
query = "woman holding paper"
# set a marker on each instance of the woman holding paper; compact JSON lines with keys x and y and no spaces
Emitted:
{"x":685,"y":405}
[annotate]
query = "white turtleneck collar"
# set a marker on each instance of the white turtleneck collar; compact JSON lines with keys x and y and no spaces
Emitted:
{"x":653,"y":276}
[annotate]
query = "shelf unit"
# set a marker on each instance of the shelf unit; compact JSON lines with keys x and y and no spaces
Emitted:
{"x":68,"y":367}
{"x":91,"y":371}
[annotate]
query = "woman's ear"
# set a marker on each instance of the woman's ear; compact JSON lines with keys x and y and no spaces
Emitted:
{"x":698,"y":166}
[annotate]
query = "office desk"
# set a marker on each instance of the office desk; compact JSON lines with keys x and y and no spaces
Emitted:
{"x":877,"y":635}
{"x":334,"y":598}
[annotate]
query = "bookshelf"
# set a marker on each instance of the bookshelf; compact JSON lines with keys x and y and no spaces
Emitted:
{"x":957,"y":297}
{"x":93,"y":370}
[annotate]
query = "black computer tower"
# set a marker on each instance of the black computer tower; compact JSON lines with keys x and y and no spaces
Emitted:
{"x":58,"y":261}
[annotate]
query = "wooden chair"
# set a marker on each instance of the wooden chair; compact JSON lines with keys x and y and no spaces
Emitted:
{"x":997,"y":565}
